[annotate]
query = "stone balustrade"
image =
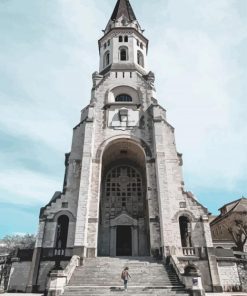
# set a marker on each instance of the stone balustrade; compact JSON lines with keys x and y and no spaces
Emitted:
{"x":189,"y":251}
{"x":58,"y":279}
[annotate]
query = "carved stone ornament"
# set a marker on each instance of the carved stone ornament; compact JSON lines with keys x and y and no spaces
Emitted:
{"x":123,"y":219}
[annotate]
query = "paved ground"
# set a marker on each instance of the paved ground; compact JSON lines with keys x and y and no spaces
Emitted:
{"x":227,"y":294}
{"x":207,"y":294}
{"x":21,"y":294}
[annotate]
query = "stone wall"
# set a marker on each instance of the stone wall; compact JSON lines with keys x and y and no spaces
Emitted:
{"x":19,"y":276}
{"x":229,"y":277}
{"x":44,"y":269}
{"x":242,"y":271}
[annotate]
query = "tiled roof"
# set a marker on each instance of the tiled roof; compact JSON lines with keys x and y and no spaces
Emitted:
{"x":123,"y":8}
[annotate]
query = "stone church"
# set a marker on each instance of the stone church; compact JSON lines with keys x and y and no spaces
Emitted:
{"x":123,"y":193}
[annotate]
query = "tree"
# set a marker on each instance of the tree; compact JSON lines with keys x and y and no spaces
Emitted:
{"x":239,"y":231}
{"x":12,"y":242}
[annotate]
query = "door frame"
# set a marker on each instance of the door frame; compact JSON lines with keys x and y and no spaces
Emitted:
{"x":123,"y":220}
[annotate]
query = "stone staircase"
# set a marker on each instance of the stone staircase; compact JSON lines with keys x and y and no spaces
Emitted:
{"x":102,"y":276}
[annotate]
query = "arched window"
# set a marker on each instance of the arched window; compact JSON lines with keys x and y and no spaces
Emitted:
{"x":123,"y":192}
{"x":123,"y":98}
{"x":140,"y":59}
{"x":106,"y":59}
{"x":185,"y":232}
{"x":123,"y":54}
{"x":126,"y":38}
{"x":120,"y":38}
{"x":62,"y":232}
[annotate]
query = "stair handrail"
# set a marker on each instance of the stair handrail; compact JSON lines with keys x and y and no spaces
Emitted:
{"x":58,"y":279}
{"x":177,"y":267}
{"x":70,"y":268}
{"x":186,"y":279}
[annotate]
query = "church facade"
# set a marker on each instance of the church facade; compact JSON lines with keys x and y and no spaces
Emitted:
{"x":123,"y":191}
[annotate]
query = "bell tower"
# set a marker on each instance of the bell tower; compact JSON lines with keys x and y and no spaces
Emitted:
{"x":123,"y":191}
{"x":123,"y":45}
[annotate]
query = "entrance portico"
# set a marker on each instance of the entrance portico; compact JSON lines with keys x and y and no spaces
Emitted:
{"x":124,"y":236}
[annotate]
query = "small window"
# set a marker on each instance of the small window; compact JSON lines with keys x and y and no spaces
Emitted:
{"x":123,"y":98}
{"x":123,"y":55}
{"x":65,"y":205}
{"x":140,"y":59}
{"x":104,"y":45}
{"x":141,"y":45}
{"x":137,"y":42}
{"x":108,"y":42}
{"x":107,"y":59}
{"x":126,"y":38}
{"x":120,"y":38}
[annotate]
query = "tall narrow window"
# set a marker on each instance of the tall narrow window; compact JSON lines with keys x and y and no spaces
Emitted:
{"x":140,"y":59}
{"x":123,"y":54}
{"x":126,"y":38}
{"x":141,"y":45}
{"x":106,"y":59}
{"x":185,"y":232}
{"x":62,"y":232}
{"x":120,"y":38}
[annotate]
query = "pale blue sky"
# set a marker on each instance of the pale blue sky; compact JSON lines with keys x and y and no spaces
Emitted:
{"x":48,"y":51}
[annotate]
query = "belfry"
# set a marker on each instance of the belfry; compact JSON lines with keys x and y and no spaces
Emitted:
{"x":123,"y":192}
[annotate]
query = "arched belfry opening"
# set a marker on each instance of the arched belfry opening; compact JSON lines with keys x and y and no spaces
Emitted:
{"x":123,"y":224}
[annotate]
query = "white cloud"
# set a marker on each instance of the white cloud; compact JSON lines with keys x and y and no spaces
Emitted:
{"x":25,"y":187}
{"x":196,"y":83}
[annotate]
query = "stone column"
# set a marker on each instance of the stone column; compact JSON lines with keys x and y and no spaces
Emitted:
{"x":80,"y":245}
{"x":113,"y":241}
{"x":152,"y":202}
{"x":33,"y":274}
{"x":134,"y":234}
{"x":207,"y":231}
{"x":93,"y":217}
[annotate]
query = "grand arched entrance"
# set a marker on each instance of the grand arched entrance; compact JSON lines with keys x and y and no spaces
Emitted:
{"x":123,"y":223}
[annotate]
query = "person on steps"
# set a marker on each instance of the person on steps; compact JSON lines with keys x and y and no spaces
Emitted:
{"x":125,"y":277}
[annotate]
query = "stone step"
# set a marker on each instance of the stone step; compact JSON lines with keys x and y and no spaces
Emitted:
{"x":101,"y":276}
{"x":118,"y":290}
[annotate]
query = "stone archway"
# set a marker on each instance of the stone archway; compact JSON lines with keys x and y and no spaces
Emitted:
{"x":123,"y":204}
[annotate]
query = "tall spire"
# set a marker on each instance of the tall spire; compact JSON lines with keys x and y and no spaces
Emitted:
{"x":123,"y":8}
{"x":123,"y":16}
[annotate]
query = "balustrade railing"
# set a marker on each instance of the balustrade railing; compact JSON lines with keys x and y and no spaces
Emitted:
{"x":189,"y":251}
{"x":59,"y":252}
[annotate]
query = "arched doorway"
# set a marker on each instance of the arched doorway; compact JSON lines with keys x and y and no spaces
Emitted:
{"x":123,"y":223}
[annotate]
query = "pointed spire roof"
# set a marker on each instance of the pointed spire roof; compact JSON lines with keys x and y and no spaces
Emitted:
{"x":123,"y":8}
